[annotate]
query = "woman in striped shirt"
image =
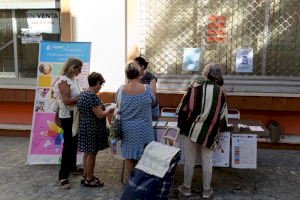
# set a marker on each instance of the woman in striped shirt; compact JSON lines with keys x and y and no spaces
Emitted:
{"x":202,"y":112}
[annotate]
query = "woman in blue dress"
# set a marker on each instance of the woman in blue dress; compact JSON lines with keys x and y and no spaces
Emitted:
{"x":136,"y":116}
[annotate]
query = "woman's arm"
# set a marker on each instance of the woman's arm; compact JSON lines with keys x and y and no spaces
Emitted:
{"x":153,"y":86}
{"x":65,"y":91}
{"x":100,"y":113}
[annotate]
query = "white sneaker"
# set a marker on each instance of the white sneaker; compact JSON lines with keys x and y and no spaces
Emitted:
{"x":207,"y":193}
{"x":185,"y":191}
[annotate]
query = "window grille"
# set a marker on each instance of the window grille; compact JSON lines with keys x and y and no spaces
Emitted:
{"x":219,"y":27}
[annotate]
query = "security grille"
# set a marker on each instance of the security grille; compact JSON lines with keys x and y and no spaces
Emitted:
{"x":219,"y":27}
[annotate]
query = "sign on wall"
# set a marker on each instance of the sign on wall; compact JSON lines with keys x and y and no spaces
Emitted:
{"x":244,"y":60}
{"x":40,"y":21}
{"x":191,"y":58}
{"x":46,"y":139}
{"x":45,"y":21}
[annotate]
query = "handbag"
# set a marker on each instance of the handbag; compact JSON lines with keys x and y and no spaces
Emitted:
{"x":57,"y":119}
{"x":115,"y":128}
{"x":76,"y":118}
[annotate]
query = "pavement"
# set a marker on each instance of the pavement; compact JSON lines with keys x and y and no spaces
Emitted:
{"x":276,"y":177}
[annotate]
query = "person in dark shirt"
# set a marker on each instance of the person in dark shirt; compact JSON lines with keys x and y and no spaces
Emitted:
{"x":150,"y":79}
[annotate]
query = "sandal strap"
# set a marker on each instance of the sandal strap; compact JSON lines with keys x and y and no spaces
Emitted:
{"x":89,"y":181}
{"x":98,"y":183}
{"x":65,"y":182}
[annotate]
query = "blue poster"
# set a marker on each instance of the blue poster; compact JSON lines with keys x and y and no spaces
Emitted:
{"x":62,"y":51}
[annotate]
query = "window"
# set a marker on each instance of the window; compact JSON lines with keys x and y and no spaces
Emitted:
{"x":7,"y":66}
{"x":27,"y":53}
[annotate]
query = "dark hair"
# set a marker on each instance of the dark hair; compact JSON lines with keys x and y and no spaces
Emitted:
{"x":132,"y":70}
{"x":141,"y":61}
{"x":94,"y":78}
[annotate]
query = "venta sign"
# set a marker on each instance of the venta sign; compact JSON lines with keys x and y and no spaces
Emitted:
{"x":45,"y":21}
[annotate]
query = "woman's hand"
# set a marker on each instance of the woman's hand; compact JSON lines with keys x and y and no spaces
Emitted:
{"x":100,"y":113}
{"x":111,"y":110}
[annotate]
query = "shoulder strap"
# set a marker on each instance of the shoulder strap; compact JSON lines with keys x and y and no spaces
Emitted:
{"x":145,"y":87}
{"x":62,"y":101}
{"x":120,"y":96}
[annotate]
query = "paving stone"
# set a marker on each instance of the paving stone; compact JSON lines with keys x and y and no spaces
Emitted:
{"x":275,"y":179}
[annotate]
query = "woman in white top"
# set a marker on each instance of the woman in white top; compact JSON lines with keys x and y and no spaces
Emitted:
{"x":68,"y":91}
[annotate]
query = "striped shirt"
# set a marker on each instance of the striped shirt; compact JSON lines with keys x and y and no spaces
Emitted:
{"x":201,"y":112}
{"x":146,"y":80}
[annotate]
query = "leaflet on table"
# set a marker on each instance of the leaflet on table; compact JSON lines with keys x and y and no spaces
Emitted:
{"x":244,"y":151}
{"x":256,"y":128}
{"x":172,"y":124}
{"x":154,"y":123}
{"x":161,"y":123}
{"x":221,"y":153}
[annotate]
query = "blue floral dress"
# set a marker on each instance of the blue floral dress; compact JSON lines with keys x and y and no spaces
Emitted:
{"x":136,"y":122}
{"x":92,"y":130}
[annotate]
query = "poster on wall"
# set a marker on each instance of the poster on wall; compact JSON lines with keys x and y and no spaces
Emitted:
{"x":244,"y":151}
{"x":40,"y":21}
{"x":244,"y":60}
{"x":46,"y":139}
{"x":191,"y":57}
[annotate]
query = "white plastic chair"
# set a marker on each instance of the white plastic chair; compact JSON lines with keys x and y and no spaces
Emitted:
{"x":168,"y":114}
{"x":233,"y":114}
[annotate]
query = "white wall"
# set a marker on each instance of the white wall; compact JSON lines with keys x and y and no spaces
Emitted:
{"x":102,"y":22}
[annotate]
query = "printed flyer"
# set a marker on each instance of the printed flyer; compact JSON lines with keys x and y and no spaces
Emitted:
{"x":116,"y":149}
{"x":222,"y":152}
{"x":244,"y":60}
{"x":244,"y":151}
{"x":46,"y":139}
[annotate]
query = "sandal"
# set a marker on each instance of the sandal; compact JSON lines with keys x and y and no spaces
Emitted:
{"x":83,"y":181}
{"x":64,"y":184}
{"x":97,"y":184}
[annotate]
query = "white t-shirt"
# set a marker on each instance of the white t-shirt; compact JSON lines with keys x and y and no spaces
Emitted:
{"x":75,"y":91}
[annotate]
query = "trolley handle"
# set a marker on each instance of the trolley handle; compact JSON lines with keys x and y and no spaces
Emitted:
{"x":165,"y":137}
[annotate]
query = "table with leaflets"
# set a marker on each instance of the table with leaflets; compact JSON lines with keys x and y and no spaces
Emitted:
{"x":241,"y":142}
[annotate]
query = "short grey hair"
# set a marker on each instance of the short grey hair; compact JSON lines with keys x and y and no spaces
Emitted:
{"x":213,"y":72}
{"x":132,"y":70}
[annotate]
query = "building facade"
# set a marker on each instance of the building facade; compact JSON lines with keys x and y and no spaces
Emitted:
{"x":160,"y":30}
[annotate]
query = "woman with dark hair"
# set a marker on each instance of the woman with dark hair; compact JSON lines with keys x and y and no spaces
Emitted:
{"x":150,"y":79}
{"x":93,"y":135}
{"x":136,"y":119}
{"x":68,"y":91}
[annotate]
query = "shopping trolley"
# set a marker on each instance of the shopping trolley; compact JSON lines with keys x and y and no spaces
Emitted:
{"x":153,"y":175}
